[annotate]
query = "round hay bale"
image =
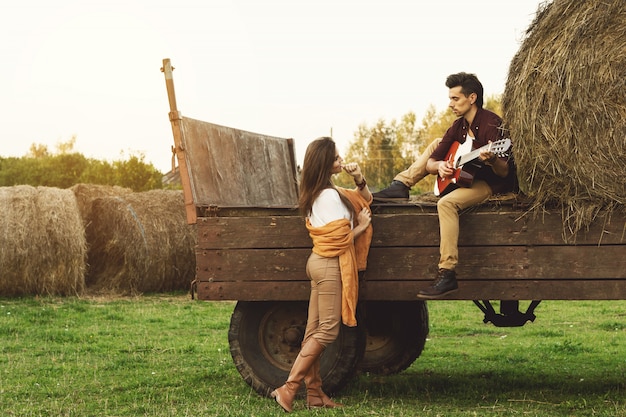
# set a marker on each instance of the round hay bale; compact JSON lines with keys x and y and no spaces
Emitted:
{"x":86,"y":193}
{"x":140,"y":242}
{"x":42,"y":242}
{"x":565,"y":107}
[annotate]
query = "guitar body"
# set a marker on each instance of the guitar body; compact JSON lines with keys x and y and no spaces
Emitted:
{"x":459,"y":155}
{"x":458,"y":177}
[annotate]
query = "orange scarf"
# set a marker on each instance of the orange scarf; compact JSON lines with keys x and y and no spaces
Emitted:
{"x":336,"y":239}
{"x":363,"y":242}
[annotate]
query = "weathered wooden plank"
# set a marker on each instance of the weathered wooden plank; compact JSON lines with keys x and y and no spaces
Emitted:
{"x":503,"y":262}
{"x":504,"y":254}
{"x":254,"y":290}
{"x":489,"y":262}
{"x":252,"y":232}
{"x":407,"y":290}
{"x":543,"y":289}
{"x":232,"y":167}
{"x":407,"y":230}
{"x":515,"y":228}
{"x":251,"y":264}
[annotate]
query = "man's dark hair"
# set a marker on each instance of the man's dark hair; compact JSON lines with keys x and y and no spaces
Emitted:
{"x":469,"y":84}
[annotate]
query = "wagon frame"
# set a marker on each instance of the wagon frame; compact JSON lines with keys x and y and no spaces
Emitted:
{"x":240,"y":190}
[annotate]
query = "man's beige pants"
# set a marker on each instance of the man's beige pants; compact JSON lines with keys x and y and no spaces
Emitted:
{"x":417,"y":171}
{"x":448,"y":206}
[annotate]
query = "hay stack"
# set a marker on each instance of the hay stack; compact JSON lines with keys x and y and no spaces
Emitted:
{"x":140,"y":242}
{"x":87,"y":193}
{"x":565,"y":106}
{"x":42,"y":242}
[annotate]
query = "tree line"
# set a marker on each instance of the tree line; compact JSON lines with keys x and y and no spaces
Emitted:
{"x":382,"y":149}
{"x":65,"y":168}
{"x":387,"y":148}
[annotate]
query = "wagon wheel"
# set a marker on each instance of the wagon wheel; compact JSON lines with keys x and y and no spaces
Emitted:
{"x":396,"y":335}
{"x":265,"y":339}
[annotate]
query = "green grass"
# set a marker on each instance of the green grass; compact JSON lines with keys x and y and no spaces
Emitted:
{"x":167,"y":355}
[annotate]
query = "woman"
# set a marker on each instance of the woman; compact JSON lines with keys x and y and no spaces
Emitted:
{"x":335,"y":218}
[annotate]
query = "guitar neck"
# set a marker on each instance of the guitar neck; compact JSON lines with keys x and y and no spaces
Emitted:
{"x":470,"y":156}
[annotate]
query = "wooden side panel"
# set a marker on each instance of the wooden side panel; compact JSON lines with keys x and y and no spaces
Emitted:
{"x":406,"y":230}
{"x":407,"y":290}
{"x":391,"y":264}
{"x":252,"y":232}
{"x":487,"y":289}
{"x":504,"y":254}
{"x":231,"y":167}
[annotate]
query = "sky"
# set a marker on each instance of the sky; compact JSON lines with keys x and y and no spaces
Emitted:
{"x":286,"y":68}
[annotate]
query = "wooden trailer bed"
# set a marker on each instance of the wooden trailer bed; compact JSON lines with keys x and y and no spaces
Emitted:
{"x":241,"y":191}
{"x":260,"y":254}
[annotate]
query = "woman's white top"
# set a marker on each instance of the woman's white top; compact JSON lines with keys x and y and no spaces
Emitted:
{"x":328,"y":207}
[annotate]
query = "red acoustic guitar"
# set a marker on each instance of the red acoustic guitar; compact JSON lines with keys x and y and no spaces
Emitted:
{"x":459,"y":155}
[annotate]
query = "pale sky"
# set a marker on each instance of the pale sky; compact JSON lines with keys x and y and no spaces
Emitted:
{"x":285,"y":68}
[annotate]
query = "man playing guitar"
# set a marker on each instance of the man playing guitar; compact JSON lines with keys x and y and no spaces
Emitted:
{"x":496,"y":175}
{"x":493,"y":173}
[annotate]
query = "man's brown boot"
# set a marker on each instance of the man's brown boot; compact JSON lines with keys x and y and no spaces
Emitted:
{"x":445,"y":283}
{"x":315,"y":397}
{"x":309,"y":353}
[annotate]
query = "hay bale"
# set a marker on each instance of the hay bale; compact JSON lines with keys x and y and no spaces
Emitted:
{"x":42,"y":242}
{"x":565,"y":106}
{"x":87,"y":193}
{"x":140,"y":242}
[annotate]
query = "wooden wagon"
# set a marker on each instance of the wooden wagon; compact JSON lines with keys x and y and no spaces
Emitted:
{"x":241,"y":191}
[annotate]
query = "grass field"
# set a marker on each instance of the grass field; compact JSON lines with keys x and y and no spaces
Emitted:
{"x":167,"y":355}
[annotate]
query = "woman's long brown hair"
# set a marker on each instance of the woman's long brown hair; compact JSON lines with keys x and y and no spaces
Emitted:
{"x":317,"y":174}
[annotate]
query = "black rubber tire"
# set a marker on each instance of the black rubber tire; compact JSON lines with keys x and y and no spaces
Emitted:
{"x":265,"y":338}
{"x":396,"y":333}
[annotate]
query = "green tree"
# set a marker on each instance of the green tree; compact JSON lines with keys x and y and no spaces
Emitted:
{"x":136,"y":174}
{"x":98,"y":172}
{"x":356,"y":153}
{"x":407,"y":139}
{"x":65,"y":168}
{"x":383,"y":149}
{"x":14,"y":171}
{"x":494,"y":103}
{"x":38,"y":151}
{"x":66,"y":147}
{"x":61,"y":170}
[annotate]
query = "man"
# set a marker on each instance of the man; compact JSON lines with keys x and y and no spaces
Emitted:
{"x":493,"y":174}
